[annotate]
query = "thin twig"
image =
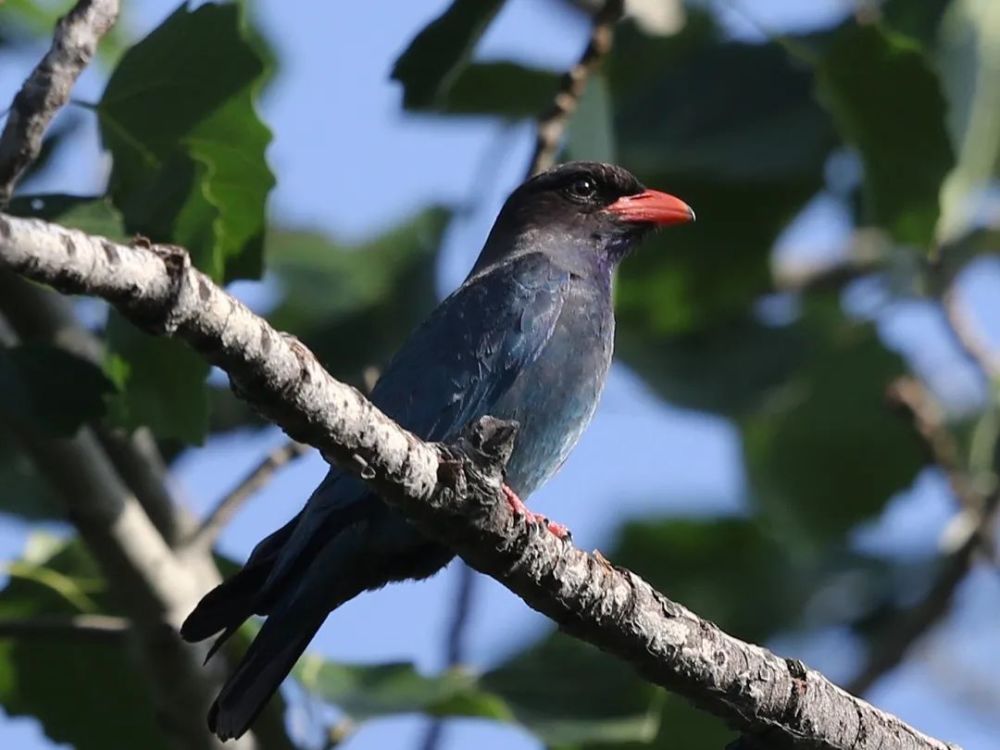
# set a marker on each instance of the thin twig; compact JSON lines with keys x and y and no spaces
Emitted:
{"x":552,"y":124}
{"x":91,"y":627}
{"x":968,"y":336}
{"x":979,"y":513}
{"x":206,"y":534}
{"x":48,"y":87}
{"x":927,"y":417}
{"x":454,"y":643}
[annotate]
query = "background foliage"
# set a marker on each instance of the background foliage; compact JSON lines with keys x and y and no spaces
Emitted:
{"x":889,"y":112}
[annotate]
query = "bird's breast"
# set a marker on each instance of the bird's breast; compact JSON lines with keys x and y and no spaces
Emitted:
{"x":554,"y":398}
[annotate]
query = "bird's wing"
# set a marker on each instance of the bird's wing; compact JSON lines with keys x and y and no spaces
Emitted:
{"x":469,"y":351}
{"x":451,"y":370}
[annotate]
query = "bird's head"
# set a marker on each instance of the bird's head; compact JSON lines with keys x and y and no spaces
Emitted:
{"x":585,"y":214}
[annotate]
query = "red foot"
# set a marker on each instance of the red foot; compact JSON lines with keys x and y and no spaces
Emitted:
{"x":560,"y":531}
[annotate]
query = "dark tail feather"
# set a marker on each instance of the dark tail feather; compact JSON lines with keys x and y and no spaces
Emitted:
{"x":260,"y":674}
{"x":329,"y":580}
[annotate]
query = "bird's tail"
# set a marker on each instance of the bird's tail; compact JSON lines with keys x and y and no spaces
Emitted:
{"x":294,"y":616}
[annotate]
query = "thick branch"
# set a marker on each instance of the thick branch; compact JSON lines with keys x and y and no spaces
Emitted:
{"x":552,"y":124}
{"x":455,"y":499}
{"x":47,"y":88}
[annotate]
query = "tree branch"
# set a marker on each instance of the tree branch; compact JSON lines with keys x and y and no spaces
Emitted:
{"x":205,"y":536}
{"x":48,"y":87}
{"x":452,"y":494}
{"x":552,"y":124}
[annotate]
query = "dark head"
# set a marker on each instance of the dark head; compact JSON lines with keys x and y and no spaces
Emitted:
{"x":586,"y":214}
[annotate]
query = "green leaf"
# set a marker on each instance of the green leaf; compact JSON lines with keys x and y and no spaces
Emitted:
{"x":23,"y":492}
{"x":48,"y":389}
{"x":887,"y":102}
{"x":90,"y":214}
{"x":727,"y":368}
{"x":161,"y":382}
{"x":826,"y":452}
{"x":433,"y":59}
{"x":188,"y":147}
{"x":87,"y":693}
{"x":498,"y":89}
{"x":353,"y":306}
{"x":568,"y":693}
{"x":368,"y":691}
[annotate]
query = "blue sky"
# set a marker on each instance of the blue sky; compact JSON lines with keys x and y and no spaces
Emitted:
{"x":349,"y":162}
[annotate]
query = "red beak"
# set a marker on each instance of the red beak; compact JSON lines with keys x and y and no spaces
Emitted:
{"x":652,"y":207}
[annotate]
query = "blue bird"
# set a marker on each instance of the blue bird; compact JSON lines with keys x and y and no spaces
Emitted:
{"x":527,"y":337}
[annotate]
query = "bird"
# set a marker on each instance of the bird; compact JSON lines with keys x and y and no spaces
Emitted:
{"x":527,"y":337}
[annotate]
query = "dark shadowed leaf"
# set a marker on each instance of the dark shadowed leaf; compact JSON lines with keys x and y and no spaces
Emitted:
{"x":50,"y":390}
{"x":188,"y":147}
{"x":887,"y":102}
{"x":438,"y":52}
{"x":570,"y":694}
{"x":88,"y":693}
{"x":825,"y":452}
{"x":498,"y":89}
{"x":23,"y":492}
{"x":162,"y":383}
{"x":353,"y":306}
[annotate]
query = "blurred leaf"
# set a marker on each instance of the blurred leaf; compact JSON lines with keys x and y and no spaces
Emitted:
{"x":86,"y":693}
{"x":188,"y":147}
{"x":969,"y":59}
{"x":435,"y":56}
{"x":499,"y":89}
{"x":919,"y":20}
{"x":161,"y":382}
{"x":91,"y":214}
{"x":887,"y":102}
{"x":34,"y":390}
{"x":590,"y":135}
{"x":826,"y":452}
{"x":725,"y":369}
{"x":353,"y":306}
{"x":569,"y":693}
{"x":23,"y":492}
{"x":27,"y":20}
{"x":368,"y":691}
{"x":766,"y":128}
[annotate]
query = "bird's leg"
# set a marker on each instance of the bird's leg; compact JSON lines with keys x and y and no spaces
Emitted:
{"x":518,"y":506}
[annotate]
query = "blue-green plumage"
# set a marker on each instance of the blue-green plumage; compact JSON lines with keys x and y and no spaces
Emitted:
{"x":527,"y":337}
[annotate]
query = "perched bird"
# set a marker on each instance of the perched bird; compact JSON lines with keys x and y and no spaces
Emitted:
{"x":527,"y":337}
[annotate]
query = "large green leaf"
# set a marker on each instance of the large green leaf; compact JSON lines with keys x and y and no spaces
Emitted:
{"x":570,"y":694}
{"x":747,"y":163}
{"x":437,"y":54}
{"x":355,"y":305}
{"x":85,"y":692}
{"x":188,"y":147}
{"x":161,"y":382}
{"x":825,"y":452}
{"x":498,"y":89}
{"x":48,"y":389}
{"x":887,"y":101}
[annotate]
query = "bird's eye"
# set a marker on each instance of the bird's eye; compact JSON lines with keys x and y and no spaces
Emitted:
{"x":583,"y":188}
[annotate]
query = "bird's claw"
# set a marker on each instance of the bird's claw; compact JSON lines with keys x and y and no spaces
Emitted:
{"x":517,"y":505}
